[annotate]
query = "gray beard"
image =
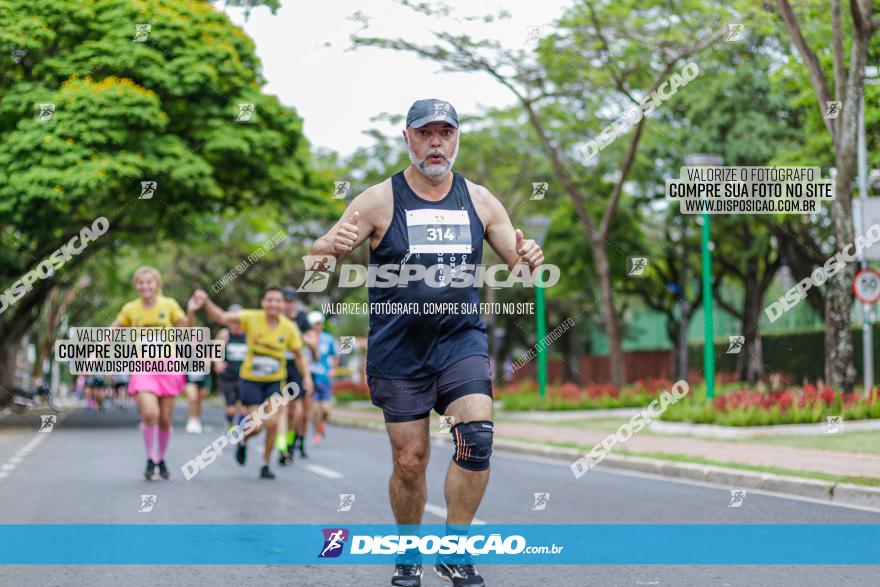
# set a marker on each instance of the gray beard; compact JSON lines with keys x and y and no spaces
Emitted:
{"x":432,"y":171}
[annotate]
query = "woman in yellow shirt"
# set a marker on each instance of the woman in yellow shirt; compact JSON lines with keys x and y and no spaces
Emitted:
{"x":154,"y":392}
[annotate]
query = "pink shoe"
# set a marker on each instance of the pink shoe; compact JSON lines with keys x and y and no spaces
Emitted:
{"x":316,"y":439}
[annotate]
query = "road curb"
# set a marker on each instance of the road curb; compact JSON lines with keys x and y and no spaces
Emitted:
{"x":738,"y":432}
{"x":840,"y":493}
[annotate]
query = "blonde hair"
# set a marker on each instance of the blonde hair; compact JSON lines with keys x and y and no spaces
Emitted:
{"x":148,"y":270}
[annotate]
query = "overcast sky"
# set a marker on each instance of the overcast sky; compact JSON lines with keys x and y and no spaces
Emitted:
{"x":303,"y":48}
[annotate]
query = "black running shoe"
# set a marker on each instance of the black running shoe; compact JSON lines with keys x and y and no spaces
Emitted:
{"x":460,"y":575}
{"x":284,"y":459}
{"x":265,"y":473}
{"x":163,"y":471}
{"x":407,"y":576}
{"x":150,"y":472}
{"x":241,"y":453}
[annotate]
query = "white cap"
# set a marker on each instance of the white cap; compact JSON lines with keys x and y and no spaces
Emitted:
{"x":315,"y":317}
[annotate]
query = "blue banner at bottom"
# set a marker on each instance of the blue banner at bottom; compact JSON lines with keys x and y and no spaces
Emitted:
{"x":576,"y":544}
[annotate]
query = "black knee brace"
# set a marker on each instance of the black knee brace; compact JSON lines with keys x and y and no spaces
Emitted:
{"x":473,"y":444}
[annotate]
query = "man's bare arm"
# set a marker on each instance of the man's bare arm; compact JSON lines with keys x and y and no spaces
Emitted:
{"x":215,"y":312}
{"x":357,"y":224}
{"x":223,"y":335}
{"x":508,"y":242}
{"x":303,"y":365}
{"x":500,"y":232}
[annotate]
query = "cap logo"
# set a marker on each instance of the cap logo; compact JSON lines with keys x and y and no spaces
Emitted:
{"x":441,"y":109}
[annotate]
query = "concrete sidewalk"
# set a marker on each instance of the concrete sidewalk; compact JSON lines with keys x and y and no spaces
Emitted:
{"x":797,"y":459}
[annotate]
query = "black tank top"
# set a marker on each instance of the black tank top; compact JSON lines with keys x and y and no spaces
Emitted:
{"x":236,"y":350}
{"x":447,"y":232}
{"x":293,"y":374}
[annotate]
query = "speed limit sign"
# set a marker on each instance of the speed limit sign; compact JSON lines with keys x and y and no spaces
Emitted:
{"x":866,"y":286}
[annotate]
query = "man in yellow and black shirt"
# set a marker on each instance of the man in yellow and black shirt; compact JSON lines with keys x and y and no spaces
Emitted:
{"x":264,"y":370}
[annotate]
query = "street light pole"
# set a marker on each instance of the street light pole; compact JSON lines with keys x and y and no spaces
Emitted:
{"x":537,"y":227}
{"x":708,"y":299}
{"x":684,"y":307}
{"x":541,"y":332}
{"x":708,"y":302}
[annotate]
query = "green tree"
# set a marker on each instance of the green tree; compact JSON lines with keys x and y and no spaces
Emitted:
{"x":130,"y":105}
{"x":743,"y":116}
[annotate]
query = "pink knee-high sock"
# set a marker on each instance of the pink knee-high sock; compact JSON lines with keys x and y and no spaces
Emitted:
{"x":164,"y":439}
{"x":149,"y":434}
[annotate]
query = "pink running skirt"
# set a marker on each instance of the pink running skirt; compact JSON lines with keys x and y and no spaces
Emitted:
{"x":161,"y":384}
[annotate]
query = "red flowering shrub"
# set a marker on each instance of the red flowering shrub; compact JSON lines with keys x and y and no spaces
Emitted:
{"x":603,"y":390}
{"x":570,"y":391}
{"x":783,"y":399}
{"x":648,"y":385}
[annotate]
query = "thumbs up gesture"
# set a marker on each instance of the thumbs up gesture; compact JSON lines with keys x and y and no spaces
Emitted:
{"x":347,"y":234}
{"x":528,"y":251}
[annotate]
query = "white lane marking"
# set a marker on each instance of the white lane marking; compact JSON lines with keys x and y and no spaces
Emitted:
{"x":324,"y":471}
{"x":18,"y":456}
{"x":653,"y":477}
{"x":440,"y":512}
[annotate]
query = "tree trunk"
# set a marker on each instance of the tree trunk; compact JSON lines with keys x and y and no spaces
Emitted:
{"x":750,"y":363}
{"x":572,"y":369}
{"x":840,"y":371}
{"x":56,"y":307}
{"x":673,"y":331}
{"x":506,"y":347}
{"x":753,"y":361}
{"x":8,"y":354}
{"x":609,"y":315}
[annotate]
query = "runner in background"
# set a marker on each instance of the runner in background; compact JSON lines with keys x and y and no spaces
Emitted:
{"x":119,"y":382}
{"x":197,"y":385}
{"x":96,"y":390}
{"x":297,"y":411}
{"x":323,"y":368}
{"x":264,"y":369}
{"x":80,"y":388}
{"x":236,"y":351}
{"x":154,"y":392}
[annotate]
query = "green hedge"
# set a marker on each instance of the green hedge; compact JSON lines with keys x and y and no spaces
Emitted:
{"x":697,"y":409}
{"x":801,"y":354}
{"x":528,"y":401}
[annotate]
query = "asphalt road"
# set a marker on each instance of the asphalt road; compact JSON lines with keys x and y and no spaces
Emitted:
{"x":88,"y":470}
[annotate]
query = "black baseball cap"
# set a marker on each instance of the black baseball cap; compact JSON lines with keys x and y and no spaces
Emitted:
{"x":289,"y":293}
{"x":431,"y":110}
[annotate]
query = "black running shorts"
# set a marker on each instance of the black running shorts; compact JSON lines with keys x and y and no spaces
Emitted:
{"x":405,"y":400}
{"x":230,"y":390}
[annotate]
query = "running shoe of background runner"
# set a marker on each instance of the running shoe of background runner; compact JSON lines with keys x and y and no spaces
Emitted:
{"x":150,"y":472}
